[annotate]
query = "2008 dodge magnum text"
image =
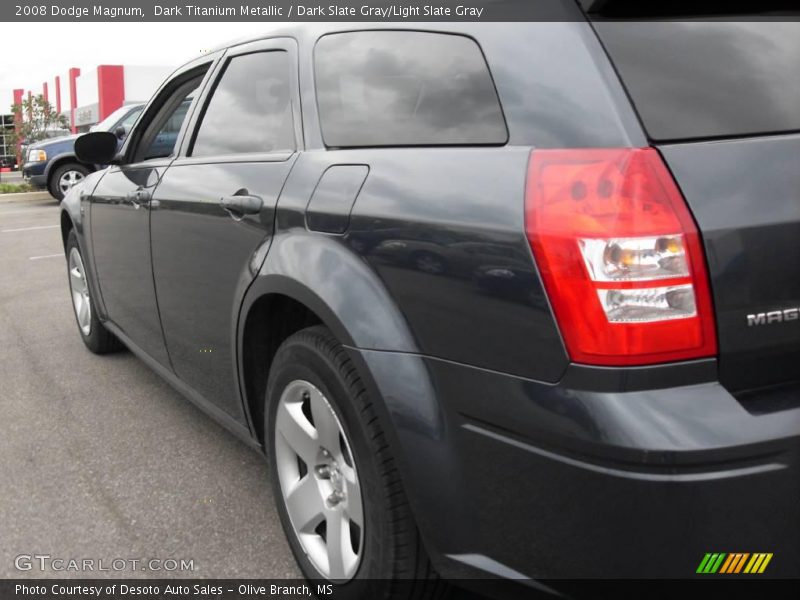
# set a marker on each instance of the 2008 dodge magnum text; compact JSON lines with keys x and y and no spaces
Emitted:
{"x":480,"y":292}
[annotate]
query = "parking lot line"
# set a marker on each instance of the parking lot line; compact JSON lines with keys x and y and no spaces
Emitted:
{"x":30,"y":228}
{"x":46,"y":256}
{"x":30,"y":211}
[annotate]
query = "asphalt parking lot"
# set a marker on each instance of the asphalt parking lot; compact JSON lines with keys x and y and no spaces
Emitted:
{"x":100,"y":458}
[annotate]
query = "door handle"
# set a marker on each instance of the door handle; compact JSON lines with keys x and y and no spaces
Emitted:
{"x":138,"y":198}
{"x":239,"y":205}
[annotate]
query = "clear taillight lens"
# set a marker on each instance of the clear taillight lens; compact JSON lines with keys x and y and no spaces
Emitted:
{"x":648,"y":304}
{"x":621,"y":259}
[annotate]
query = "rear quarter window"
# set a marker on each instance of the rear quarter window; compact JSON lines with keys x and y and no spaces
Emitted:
{"x":405,"y":88}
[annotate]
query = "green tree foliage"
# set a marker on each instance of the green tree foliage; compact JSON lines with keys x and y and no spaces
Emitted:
{"x":37,"y":116}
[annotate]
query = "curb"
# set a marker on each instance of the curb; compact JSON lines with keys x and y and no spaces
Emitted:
{"x":26,"y":197}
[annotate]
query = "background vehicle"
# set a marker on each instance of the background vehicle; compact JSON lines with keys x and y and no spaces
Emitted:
{"x":608,"y":414}
{"x":48,"y":135}
{"x":52,"y":165}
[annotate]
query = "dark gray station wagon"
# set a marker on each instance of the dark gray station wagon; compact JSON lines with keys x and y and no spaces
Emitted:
{"x":495,"y":300}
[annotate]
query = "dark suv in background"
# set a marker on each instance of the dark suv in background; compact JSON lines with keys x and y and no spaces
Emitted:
{"x":52,"y":165}
{"x":496,"y":300}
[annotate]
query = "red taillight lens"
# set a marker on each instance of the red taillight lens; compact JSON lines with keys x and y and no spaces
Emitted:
{"x":620,"y":256}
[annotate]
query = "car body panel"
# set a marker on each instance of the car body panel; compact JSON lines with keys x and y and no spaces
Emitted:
{"x":233,"y":425}
{"x":120,"y":240}
{"x":194,"y":241}
{"x":122,"y":255}
{"x":552,"y":479}
{"x":745,"y":195}
{"x":333,"y":198}
{"x":466,"y":366}
{"x":426,"y":221}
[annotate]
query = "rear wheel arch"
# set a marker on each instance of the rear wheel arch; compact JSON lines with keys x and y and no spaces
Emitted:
{"x":275,"y":308}
{"x":66,"y":226}
{"x":266,"y":323}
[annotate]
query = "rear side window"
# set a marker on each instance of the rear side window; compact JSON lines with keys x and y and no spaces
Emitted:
{"x":405,"y":88}
{"x":709,"y":79}
{"x":250,"y":109}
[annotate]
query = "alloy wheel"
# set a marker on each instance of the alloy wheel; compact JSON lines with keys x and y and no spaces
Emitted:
{"x":69,"y":179}
{"x":318,"y":481}
{"x":81,"y":301}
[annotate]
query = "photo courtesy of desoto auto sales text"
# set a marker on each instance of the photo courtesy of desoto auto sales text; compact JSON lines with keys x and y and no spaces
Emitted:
{"x":399,"y":300}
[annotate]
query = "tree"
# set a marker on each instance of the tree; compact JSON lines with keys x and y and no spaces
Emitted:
{"x":35,"y":116}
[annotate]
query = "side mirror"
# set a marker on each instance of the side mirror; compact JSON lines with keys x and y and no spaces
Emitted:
{"x":96,"y":147}
{"x":120,"y":132}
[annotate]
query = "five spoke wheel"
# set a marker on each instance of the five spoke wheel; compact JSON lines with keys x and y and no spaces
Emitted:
{"x":318,"y":480}
{"x":80,"y":291}
{"x":69,"y":179}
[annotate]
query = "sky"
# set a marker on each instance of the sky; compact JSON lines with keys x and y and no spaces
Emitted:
{"x":37,"y":52}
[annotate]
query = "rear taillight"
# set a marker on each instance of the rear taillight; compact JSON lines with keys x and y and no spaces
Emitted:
{"x":619,"y":255}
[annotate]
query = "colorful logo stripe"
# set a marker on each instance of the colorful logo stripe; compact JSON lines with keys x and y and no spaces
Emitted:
{"x":734,"y":562}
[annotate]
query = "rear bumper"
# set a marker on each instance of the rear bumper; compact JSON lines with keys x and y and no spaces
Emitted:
{"x":513,"y":478}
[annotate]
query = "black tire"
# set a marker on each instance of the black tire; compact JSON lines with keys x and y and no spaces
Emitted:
{"x":99,"y":339}
{"x":55,"y":176}
{"x":392,"y":549}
